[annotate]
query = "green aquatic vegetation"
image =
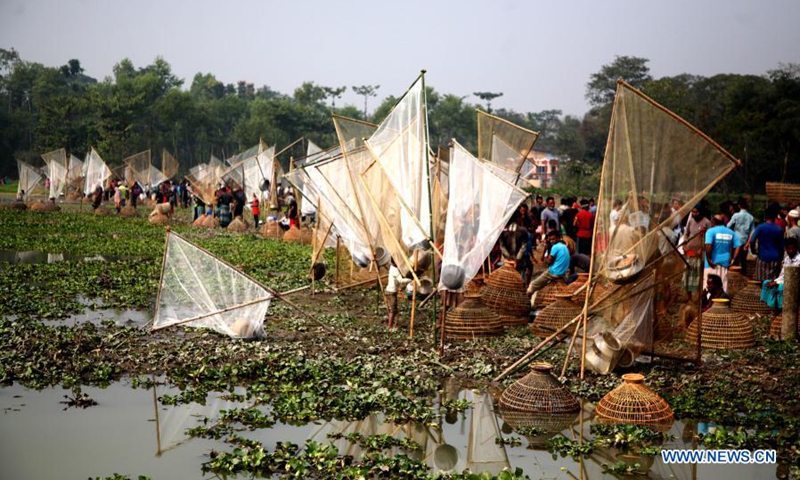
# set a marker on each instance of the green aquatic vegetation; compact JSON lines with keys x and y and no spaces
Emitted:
{"x":627,"y":437}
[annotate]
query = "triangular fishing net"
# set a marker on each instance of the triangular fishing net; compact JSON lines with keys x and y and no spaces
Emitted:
{"x":75,"y":173}
{"x":97,"y":172}
{"x":155,"y":176}
{"x":169,"y":164}
{"x":400,"y":146}
{"x":652,"y":157}
{"x":140,"y":166}
{"x":338,"y":192}
{"x":200,"y":290}
{"x":503,"y":142}
{"x":352,"y":132}
{"x":29,"y":178}
{"x":204,"y":180}
{"x":250,"y":152}
{"x":479,"y":206}
{"x":56,"y":170}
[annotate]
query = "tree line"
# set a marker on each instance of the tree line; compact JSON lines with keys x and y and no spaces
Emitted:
{"x":757,"y":118}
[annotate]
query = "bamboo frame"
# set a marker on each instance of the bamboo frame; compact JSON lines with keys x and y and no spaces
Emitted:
{"x":270,"y":290}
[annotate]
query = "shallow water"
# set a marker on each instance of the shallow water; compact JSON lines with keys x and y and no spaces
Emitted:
{"x":15,"y":256}
{"x":138,"y":318}
{"x":42,"y":440}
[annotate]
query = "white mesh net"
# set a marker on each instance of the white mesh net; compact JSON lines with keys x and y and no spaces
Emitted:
{"x":199,"y":290}
{"x":352,"y":132}
{"x":139,"y":164}
{"x":502,"y":142}
{"x":29,"y":178}
{"x":56,"y":169}
{"x":479,"y":206}
{"x":399,"y":145}
{"x":169,"y":164}
{"x":484,"y":452}
{"x":97,"y":172}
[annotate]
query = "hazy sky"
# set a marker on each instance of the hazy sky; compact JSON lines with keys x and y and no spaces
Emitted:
{"x":540,"y":54}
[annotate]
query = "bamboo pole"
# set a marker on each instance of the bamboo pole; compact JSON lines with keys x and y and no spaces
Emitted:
{"x":413,"y":312}
{"x":338,"y":244}
{"x":211,"y":314}
{"x":445,"y":296}
{"x":358,"y":284}
{"x":698,"y":359}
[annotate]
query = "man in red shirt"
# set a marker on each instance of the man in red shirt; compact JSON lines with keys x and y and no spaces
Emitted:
{"x":584,"y":224}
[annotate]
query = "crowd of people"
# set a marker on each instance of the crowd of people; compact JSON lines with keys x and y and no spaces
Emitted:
{"x":710,"y":242}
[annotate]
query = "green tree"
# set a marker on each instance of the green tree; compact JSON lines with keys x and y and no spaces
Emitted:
{"x":488,"y":97}
{"x":366,"y":91}
{"x":603,"y":84}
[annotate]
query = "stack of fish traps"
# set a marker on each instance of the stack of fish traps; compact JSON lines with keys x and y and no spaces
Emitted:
{"x":547,"y":295}
{"x":748,"y":300}
{"x":736,"y":281}
{"x":634,"y":403}
{"x":723,"y":328}
{"x":505,"y":294}
{"x":556,"y":315}
{"x":472,"y":320}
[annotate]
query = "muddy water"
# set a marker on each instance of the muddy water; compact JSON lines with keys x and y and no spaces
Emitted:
{"x":126,"y":433}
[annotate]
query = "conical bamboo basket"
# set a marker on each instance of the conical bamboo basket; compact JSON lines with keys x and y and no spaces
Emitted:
{"x":471,"y":320}
{"x":633,"y":402}
{"x":237,"y":225}
{"x":556,"y":315}
{"x":293,"y":235}
{"x":128,"y":211}
{"x":775,"y":327}
{"x":547,"y":295}
{"x":723,"y":328}
{"x":271,"y":230}
{"x":736,"y":280}
{"x":505,"y":294}
{"x":539,"y":392}
{"x":748,"y":300}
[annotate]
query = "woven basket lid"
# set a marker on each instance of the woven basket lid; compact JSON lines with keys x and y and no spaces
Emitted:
{"x":748,"y":300}
{"x":539,"y":392}
{"x":723,"y":328}
{"x":547,"y":295}
{"x":506,"y":277}
{"x":556,"y":315}
{"x":633,"y":402}
{"x":471,"y":319}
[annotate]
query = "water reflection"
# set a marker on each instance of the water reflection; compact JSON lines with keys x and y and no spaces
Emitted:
{"x":130,"y":431}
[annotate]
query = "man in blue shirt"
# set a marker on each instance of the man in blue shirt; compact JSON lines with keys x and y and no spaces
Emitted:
{"x":722,"y":246}
{"x":558,"y":264}
{"x":766,"y":243}
{"x":742,"y":223}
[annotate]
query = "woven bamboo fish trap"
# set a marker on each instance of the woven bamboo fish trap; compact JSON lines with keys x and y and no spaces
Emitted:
{"x":128,"y":211}
{"x":471,"y":320}
{"x":237,"y":225}
{"x":751,"y":267}
{"x":539,"y":392}
{"x":199,"y":221}
{"x":736,"y":280}
{"x":547,"y":295}
{"x":211,"y":221}
{"x":556,"y":315}
{"x":723,"y":328}
{"x":293,"y":235}
{"x":43,"y":206}
{"x":271,"y":230}
{"x":634,"y":403}
{"x":505,"y":294}
{"x":775,"y":327}
{"x":159,"y":219}
{"x":664,"y":328}
{"x":748,"y":300}
{"x":475,"y":285}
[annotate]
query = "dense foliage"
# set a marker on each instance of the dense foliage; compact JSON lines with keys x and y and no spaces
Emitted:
{"x":757,"y":118}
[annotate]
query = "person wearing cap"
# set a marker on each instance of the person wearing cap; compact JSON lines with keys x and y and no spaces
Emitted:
{"x":742,"y":223}
{"x":792,"y":230}
{"x":558,"y":259}
{"x":766,"y":243}
{"x":722,"y":245}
